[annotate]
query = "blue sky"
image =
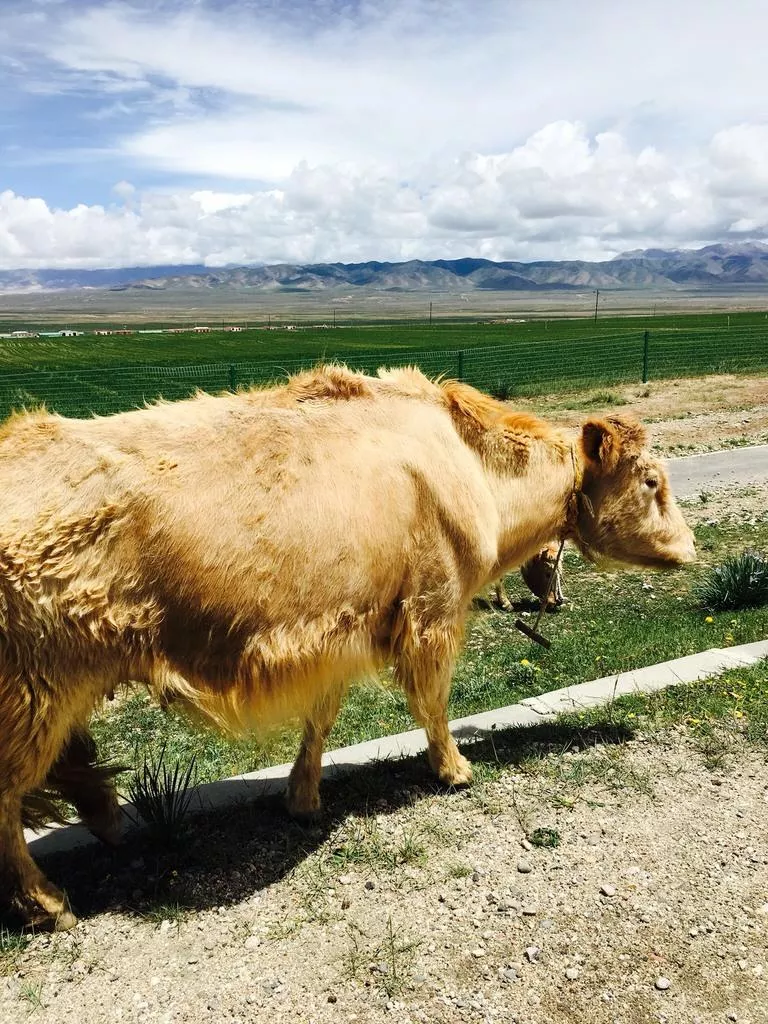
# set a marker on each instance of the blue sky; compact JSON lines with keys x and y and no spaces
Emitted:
{"x":248,"y":130}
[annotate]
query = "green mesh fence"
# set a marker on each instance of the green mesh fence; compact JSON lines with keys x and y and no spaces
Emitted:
{"x":523,"y":367}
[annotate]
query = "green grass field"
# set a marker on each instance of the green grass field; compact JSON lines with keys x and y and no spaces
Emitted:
{"x":303,"y":343}
{"x":90,"y":374}
{"x":614,"y":623}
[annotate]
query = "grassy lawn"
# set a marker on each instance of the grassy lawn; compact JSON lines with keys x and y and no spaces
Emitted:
{"x":615,"y":622}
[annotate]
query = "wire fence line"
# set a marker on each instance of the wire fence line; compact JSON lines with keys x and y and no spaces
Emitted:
{"x":517,"y":368}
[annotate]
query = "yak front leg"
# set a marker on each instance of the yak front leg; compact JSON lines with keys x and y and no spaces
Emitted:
{"x":425,"y":674}
{"x":303,"y":798}
{"x":24,"y":889}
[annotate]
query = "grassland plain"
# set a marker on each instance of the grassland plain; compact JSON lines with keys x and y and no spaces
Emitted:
{"x":93,"y":374}
{"x":615,"y":621}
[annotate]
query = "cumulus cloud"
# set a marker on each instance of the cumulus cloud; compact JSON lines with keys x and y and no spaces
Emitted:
{"x":560,"y":192}
{"x":234,"y":131}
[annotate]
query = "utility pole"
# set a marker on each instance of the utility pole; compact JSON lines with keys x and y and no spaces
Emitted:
{"x":597,"y":299}
{"x":430,"y":314}
{"x":334,"y":316}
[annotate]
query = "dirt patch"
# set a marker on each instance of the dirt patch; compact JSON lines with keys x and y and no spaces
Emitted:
{"x":410,"y":906}
{"x":738,"y":505}
{"x":684,"y":416}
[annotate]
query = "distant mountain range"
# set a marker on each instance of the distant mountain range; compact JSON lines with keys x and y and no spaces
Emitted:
{"x":714,"y":266}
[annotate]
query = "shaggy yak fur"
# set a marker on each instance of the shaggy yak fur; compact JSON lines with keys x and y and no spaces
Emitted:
{"x":248,"y":555}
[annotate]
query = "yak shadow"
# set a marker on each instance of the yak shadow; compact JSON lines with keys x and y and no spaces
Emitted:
{"x":225,"y":856}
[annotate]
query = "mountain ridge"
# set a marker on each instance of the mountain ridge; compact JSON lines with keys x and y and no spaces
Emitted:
{"x":741,"y":264}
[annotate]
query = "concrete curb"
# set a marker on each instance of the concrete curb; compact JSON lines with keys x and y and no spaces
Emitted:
{"x":270,"y":781}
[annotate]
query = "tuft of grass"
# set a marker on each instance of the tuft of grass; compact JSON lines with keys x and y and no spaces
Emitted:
{"x":162,"y":795}
{"x":176,"y":913}
{"x":741,"y":581}
{"x":31,"y":993}
{"x":12,"y":945}
{"x":361,"y":842}
{"x":547,"y":838}
{"x":598,"y":400}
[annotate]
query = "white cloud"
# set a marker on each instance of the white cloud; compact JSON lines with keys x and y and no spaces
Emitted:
{"x":397,"y":128}
{"x":559,"y":193}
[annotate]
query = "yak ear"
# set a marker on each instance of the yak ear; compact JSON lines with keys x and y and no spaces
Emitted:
{"x":633,"y":434}
{"x":600,"y":443}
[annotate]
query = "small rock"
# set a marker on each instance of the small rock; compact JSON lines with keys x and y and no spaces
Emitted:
{"x":608,"y":890}
{"x":345,"y":880}
{"x":165,"y":926}
{"x":572,"y":973}
{"x":332,"y":998}
{"x":527,"y":845}
{"x":662,"y":984}
{"x":252,"y":942}
{"x":731,"y":1016}
{"x":370,"y":885}
{"x":524,"y":867}
{"x":532,"y":954}
{"x":530,"y":911}
{"x":478,"y":952}
{"x":508,"y":974}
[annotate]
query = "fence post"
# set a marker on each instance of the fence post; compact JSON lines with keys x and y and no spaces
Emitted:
{"x":232,"y":377}
{"x":645,"y":357}
{"x":461,"y":364}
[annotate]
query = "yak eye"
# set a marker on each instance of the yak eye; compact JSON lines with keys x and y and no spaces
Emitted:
{"x":651,"y":482}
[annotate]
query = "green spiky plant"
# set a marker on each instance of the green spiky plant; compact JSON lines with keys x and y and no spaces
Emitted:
{"x":741,"y":581}
{"x":162,"y":795}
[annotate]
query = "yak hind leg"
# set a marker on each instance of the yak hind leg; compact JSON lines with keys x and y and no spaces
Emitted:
{"x":89,"y":786}
{"x":425,"y":674}
{"x":303,"y":797}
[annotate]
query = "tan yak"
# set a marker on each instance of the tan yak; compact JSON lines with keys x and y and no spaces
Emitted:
{"x":249,"y":555}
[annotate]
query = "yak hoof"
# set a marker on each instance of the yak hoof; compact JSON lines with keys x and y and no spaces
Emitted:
{"x":64,"y":921}
{"x":305,"y":815}
{"x":459,"y":773}
{"x":304,"y":807}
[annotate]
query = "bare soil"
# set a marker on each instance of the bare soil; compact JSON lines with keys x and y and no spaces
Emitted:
{"x":684,"y":416}
{"x":411,"y":906}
